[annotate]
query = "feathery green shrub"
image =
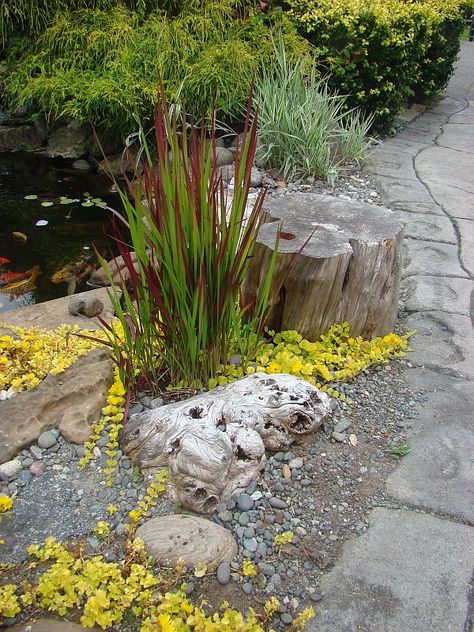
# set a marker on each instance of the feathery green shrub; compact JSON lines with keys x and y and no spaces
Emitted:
{"x":101,"y":66}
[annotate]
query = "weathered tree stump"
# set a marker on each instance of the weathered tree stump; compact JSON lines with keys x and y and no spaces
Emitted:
{"x":348,"y":266}
{"x":214,"y":443}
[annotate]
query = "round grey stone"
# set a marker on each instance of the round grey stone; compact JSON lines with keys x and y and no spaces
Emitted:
{"x":46,"y":440}
{"x":250,"y":544}
{"x":247,"y":588}
{"x":244,"y":502}
{"x":223,"y":573}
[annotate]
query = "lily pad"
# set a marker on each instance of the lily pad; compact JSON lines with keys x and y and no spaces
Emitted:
{"x":31,"y":197}
{"x":86,"y":194}
{"x":88,"y":203}
{"x":101,"y":204}
{"x":67,"y":201}
{"x":47,"y":203}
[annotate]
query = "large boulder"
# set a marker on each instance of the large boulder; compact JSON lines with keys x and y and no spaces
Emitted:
{"x":19,"y":137}
{"x":71,"y":141}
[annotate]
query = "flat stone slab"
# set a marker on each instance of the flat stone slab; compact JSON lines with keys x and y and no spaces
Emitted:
{"x":409,"y":572}
{"x":466,"y":116}
{"x":443,"y":341}
{"x":442,"y":165}
{"x":434,"y":293}
{"x":449,"y":106}
{"x":454,"y":137}
{"x":427,"y":227}
{"x":427,"y":257}
{"x":438,"y":474}
{"x":182,"y":536}
{"x":413,"y":191}
{"x":456,"y":203}
{"x":52,"y":314}
{"x":48,"y":625}
{"x":70,"y":401}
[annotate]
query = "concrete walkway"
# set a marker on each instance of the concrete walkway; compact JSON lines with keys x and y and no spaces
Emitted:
{"x":412,"y":570}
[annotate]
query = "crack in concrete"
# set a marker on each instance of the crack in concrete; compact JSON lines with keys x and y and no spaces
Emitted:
{"x":453,"y":221}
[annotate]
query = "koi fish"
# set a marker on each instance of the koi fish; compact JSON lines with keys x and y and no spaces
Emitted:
{"x":19,"y":235}
{"x":4,"y":260}
{"x":9,"y":277}
{"x":23,"y":282}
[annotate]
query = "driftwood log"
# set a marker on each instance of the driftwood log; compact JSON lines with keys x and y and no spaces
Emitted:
{"x":214,"y":443}
{"x":348,"y":266}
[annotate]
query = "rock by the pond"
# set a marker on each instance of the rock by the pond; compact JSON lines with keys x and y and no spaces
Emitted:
{"x":52,"y":314}
{"x":193,"y":539}
{"x":47,"y":625}
{"x":70,"y":141}
{"x":46,"y":440}
{"x":15,"y":137}
{"x":338,"y":436}
{"x":81,"y":165}
{"x":71,"y":401}
{"x":342,"y":425}
{"x":85,"y":304}
{"x":9,"y":469}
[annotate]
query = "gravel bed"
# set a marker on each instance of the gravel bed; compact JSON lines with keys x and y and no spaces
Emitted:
{"x":321,"y":492}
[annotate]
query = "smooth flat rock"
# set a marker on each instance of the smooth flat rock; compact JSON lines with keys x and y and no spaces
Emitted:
{"x":466,"y":232}
{"x":438,"y":474}
{"x":427,"y":207}
{"x":48,"y":625}
{"x":442,"y":165}
{"x":427,"y":257}
{"x":427,"y":227}
{"x":454,"y":136}
{"x":51,"y":314}
{"x":70,"y":401}
{"x":409,"y":572}
{"x":433,"y":293}
{"x":443,"y":341}
{"x":196,"y":540}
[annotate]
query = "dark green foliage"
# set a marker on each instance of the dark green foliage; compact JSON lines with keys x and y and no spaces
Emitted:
{"x":383,"y":53}
{"x":102,"y":66}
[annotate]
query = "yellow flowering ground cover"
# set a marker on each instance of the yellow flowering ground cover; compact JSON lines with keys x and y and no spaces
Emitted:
{"x":29,"y":355}
{"x":104,"y":592}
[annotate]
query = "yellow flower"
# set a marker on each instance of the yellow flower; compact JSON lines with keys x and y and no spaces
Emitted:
{"x":6,"y":503}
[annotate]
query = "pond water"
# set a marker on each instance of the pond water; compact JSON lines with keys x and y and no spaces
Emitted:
{"x":52,"y":252}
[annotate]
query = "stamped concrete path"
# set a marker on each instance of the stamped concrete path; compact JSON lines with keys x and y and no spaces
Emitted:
{"x":412,"y":570}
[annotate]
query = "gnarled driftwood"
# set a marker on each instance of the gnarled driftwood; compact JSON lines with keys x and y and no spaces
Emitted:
{"x":214,"y":443}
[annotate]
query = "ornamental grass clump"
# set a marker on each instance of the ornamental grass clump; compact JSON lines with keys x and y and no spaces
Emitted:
{"x":304,"y":129}
{"x":181,"y":310}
